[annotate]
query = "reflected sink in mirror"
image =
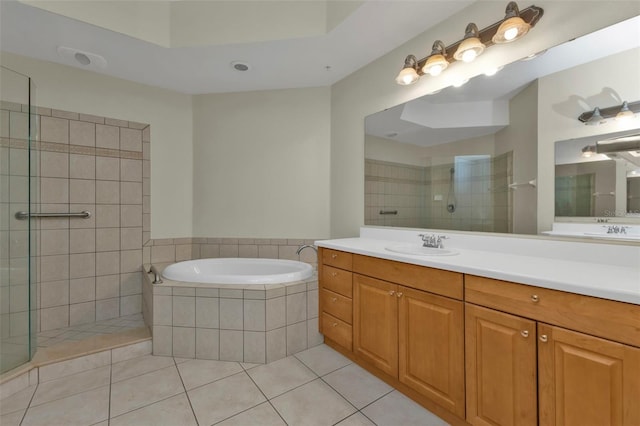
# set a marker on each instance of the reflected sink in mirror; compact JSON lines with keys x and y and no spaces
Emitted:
{"x":420,"y":250}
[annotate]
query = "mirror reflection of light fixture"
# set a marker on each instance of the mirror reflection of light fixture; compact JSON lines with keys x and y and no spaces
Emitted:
{"x":436,"y":62}
{"x":492,"y":71}
{"x":409,"y":73}
{"x":589,"y":151}
{"x":513,"y":27}
{"x":623,"y":112}
{"x":460,"y":82}
{"x":471,"y":46}
{"x":475,"y":41}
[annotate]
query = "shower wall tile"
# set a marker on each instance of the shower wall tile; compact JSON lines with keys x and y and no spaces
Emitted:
{"x":107,"y":137}
{"x":82,"y":133}
{"x":54,"y":130}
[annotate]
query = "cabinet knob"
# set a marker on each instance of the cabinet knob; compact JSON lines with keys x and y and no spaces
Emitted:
{"x":334,"y":299}
{"x":333,"y":256}
{"x":399,"y":294}
{"x":525,"y":333}
{"x":535,"y":298}
{"x":391,"y":293}
{"x":334,"y":274}
{"x":335,"y":324}
{"x":544,"y":338}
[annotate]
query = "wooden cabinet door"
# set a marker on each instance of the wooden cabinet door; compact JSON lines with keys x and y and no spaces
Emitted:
{"x":431,"y":347}
{"x":585,"y":380}
{"x":500,"y":368}
{"x":375,"y":323}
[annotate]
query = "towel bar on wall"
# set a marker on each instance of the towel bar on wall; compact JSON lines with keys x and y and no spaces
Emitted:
{"x":25,"y":215}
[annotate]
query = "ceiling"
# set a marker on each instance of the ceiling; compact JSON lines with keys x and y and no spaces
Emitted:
{"x":337,"y":38}
{"x":480,"y":102}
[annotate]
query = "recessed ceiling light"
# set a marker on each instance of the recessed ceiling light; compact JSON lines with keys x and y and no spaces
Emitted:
{"x":240,"y":66}
{"x":86,"y":59}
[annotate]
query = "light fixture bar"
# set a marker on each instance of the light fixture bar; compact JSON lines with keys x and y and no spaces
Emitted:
{"x":531,"y":15}
{"x":610,"y":112}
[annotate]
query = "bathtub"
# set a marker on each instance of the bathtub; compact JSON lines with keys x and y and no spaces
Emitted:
{"x":241,"y":271}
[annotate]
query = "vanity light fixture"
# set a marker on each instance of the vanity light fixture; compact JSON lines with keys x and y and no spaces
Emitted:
{"x":492,"y":71}
{"x":409,"y":73}
{"x":436,"y":62}
{"x":626,"y":111}
{"x":589,"y":151}
{"x":515,"y":25}
{"x":460,"y":82}
{"x":471,"y":47}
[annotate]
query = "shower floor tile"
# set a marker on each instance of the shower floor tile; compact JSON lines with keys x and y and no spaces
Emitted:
{"x":161,"y":392}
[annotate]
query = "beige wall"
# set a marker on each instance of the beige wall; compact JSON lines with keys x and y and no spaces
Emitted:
{"x":169,"y":114}
{"x":261,"y":164}
{"x":372,"y":89}
{"x":594,"y":83}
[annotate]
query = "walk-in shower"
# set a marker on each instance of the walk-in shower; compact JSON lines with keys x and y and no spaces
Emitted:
{"x":18,"y":192}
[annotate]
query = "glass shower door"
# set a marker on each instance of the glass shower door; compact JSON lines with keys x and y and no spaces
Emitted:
{"x":18,"y":192}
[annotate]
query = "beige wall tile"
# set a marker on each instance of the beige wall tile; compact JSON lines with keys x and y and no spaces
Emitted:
{"x":54,"y":164}
{"x":130,"y":284}
{"x":184,"y":291}
{"x":107,"y":192}
{"x":276,"y":346}
{"x":207,"y":343}
{"x":136,"y":125}
{"x":54,"y":293}
{"x":254,"y":315}
{"x":146,"y":134}
{"x":275,"y":313}
{"x":82,"y":166}
{"x":314,"y":338}
{"x":162,"y":310}
{"x":54,"y":130}
{"x":82,"y":191}
{"x":54,"y":268}
{"x":229,"y":250}
{"x":130,"y":261}
{"x":184,"y":342}
{"x":184,"y":252}
{"x":54,"y":242}
{"x":248,"y":251}
{"x":132,"y":351}
{"x":82,"y":290}
{"x":83,"y":223}
{"x":107,"y":137}
{"x":116,"y":122}
{"x":268,"y":251}
{"x":82,"y":241}
{"x":131,"y":216}
{"x":130,"y":238}
{"x":82,"y":313}
{"x":82,"y":133}
{"x":107,"y":216}
{"x":287,"y":252}
{"x":255,"y":347}
{"x":91,"y":118}
{"x":296,"y":338}
{"x":162,"y":340}
{"x":231,"y":345}
{"x":52,"y":318}
{"x":231,"y":316}
{"x":18,"y":162}
{"x":107,"y":308}
{"x":296,"y":307}
{"x":184,"y":311}
{"x":107,"y":239}
{"x":82,"y":265}
{"x":4,"y":123}
{"x":54,"y":190}
{"x":207,"y":312}
{"x":130,"y":170}
{"x":131,"y":193}
{"x":130,"y":305}
{"x":312,"y":304}
{"x":107,"y":168}
{"x":209,"y":251}
{"x":18,"y":125}
{"x":108,"y":263}
{"x":130,"y":140}
{"x":64,"y":114}
{"x":163,"y":254}
{"x":107,"y":286}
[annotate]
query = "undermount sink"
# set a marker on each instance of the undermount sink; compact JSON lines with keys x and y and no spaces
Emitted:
{"x":417,"y":250}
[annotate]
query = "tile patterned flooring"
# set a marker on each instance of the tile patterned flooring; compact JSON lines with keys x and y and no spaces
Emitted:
{"x":315,"y":387}
{"x":84,"y":331}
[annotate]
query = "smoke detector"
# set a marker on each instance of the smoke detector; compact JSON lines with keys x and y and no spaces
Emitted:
{"x":79,"y":57}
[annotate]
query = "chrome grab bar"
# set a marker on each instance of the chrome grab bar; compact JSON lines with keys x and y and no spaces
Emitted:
{"x":156,"y":275}
{"x":26,"y":215}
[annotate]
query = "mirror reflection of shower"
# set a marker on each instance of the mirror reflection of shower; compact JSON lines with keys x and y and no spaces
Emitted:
{"x":451,"y":196}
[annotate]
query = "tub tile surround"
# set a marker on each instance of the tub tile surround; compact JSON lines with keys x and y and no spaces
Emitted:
{"x":253,"y":324}
{"x":88,"y":269}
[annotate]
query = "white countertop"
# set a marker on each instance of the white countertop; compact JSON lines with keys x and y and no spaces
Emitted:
{"x":619,"y":282}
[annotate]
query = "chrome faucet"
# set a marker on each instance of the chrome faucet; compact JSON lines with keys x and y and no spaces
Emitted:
{"x":302,"y":247}
{"x":615,"y":229}
{"x":434,"y":241}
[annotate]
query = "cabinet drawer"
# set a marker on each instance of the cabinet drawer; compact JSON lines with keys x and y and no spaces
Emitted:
{"x":444,"y":283}
{"x":609,"y":319}
{"x":337,"y":305}
{"x":337,"y":330}
{"x":337,"y":280}
{"x":339,"y":259}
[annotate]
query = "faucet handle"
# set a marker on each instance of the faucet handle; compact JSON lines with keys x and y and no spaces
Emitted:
{"x":439,"y":242}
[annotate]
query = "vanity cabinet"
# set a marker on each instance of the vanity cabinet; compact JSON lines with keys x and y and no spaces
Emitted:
{"x":523,"y":333}
{"x":335,"y":296}
{"x":412,"y":335}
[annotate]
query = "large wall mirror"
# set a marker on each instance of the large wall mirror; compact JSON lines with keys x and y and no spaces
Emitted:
{"x":465,"y":158}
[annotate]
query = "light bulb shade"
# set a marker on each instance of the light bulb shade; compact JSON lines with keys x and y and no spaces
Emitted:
{"x":513,"y":27}
{"x":596,"y":118}
{"x":435,"y":65}
{"x":409,"y":74}
{"x":625,"y":113}
{"x":588,"y":151}
{"x":471,"y":47}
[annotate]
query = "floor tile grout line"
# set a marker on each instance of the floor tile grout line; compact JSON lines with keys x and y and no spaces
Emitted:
{"x":267,"y":399}
{"x":144,"y":406}
{"x":24,"y":415}
{"x":216,"y":380}
{"x":341,"y":395}
{"x":186,"y":393}
{"x":110,"y":387}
